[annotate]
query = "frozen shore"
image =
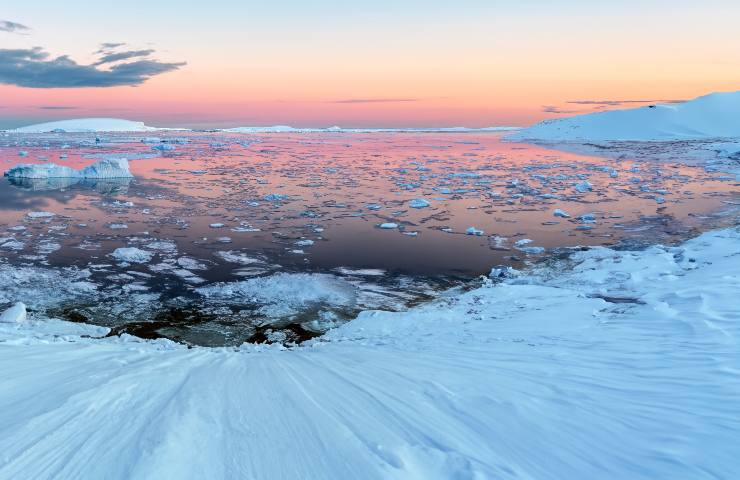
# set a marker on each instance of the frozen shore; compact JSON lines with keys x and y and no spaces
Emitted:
{"x":606,"y":364}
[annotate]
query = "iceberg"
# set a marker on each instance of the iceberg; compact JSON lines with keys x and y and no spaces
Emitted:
{"x":107,"y":168}
{"x":710,"y":116}
{"x":86,"y":125}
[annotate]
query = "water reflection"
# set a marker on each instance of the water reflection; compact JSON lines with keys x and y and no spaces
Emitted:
{"x":111,"y":186}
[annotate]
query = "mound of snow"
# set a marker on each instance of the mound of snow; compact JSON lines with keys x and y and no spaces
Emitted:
{"x":710,"y":116}
{"x":85,"y":125}
{"x":107,"y":168}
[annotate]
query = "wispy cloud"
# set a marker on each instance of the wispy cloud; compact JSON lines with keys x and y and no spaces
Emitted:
{"x":35,"y":68}
{"x":119,"y":56}
{"x":558,"y":110}
{"x":13,"y":27}
{"x":616,"y":103}
{"x":375,"y":100}
{"x":56,"y":107}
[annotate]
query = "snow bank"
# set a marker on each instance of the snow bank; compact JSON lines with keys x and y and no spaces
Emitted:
{"x":87,"y":125}
{"x":710,"y":116}
{"x":107,"y":168}
{"x":609,"y":364}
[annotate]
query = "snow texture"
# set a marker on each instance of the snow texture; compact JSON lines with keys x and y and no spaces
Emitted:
{"x":611,"y":364}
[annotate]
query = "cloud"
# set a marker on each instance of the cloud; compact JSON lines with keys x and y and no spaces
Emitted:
{"x":108,"y":46}
{"x":34,"y":68}
{"x":554,"y":109}
{"x":375,"y":100}
{"x":13,"y":27}
{"x":56,"y":107}
{"x":118,"y":56}
{"x":616,"y":103}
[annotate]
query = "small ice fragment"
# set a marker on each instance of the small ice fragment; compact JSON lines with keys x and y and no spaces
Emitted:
{"x":15,"y":314}
{"x":165,"y":147}
{"x":587,"y":218}
{"x":584,"y":187}
{"x":418,"y":203}
{"x":304,"y":243}
{"x":473,"y":231}
{"x":131,"y":255}
{"x":659,"y":200}
{"x":388,"y":226}
{"x":560,"y":213}
{"x":40,"y":214}
{"x":117,"y":226}
{"x":217,"y":225}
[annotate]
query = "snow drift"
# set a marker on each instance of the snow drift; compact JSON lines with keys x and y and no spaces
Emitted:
{"x":107,"y":168}
{"x":86,"y":125}
{"x":711,"y":116}
{"x":614,"y":364}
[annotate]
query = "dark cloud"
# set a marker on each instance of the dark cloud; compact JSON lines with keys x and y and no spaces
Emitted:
{"x":375,"y":100}
{"x":119,"y":56}
{"x":13,"y":27}
{"x":34,"y":68}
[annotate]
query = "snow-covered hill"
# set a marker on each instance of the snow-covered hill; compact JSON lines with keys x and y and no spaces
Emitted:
{"x":621,"y":365}
{"x":83,"y":125}
{"x":711,"y":116}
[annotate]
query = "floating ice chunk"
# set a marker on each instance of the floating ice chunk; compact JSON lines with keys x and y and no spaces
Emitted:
{"x":217,"y":225}
{"x":117,"y":226}
{"x":164,"y":147}
{"x":40,"y":214}
{"x":237,"y":257}
{"x":223,"y":239}
{"x":521,"y":245}
{"x":584,"y":187}
{"x":107,"y":168}
{"x":276,"y":197}
{"x":23,"y":153}
{"x":304,"y":243}
{"x":151,"y":140}
{"x":131,"y":255}
{"x":659,"y":200}
{"x":388,"y":225}
{"x":286,"y":294}
{"x":418,"y":203}
{"x":560,"y":213}
{"x":15,"y":314}
{"x":191,"y":264}
{"x":86,"y":125}
{"x":474,"y":231}
{"x":587,"y":218}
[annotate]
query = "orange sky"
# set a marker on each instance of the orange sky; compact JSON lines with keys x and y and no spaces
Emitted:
{"x":474,"y":64}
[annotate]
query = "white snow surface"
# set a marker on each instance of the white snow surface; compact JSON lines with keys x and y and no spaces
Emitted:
{"x":106,"y":168}
{"x":86,"y":125}
{"x":532,"y":378}
{"x":710,"y":116}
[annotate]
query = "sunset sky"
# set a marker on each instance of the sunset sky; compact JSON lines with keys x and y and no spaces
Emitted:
{"x":381,"y":63}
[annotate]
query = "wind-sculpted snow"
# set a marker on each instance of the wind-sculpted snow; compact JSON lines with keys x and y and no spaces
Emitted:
{"x":605,"y":364}
{"x":707,"y":117}
{"x":107,"y":168}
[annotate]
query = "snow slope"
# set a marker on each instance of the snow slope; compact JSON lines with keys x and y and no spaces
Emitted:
{"x":83,"y":125}
{"x":609,"y":364}
{"x":106,"y":168}
{"x":711,"y":116}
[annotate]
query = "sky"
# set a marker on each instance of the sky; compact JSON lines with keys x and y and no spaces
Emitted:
{"x":380,"y":63}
